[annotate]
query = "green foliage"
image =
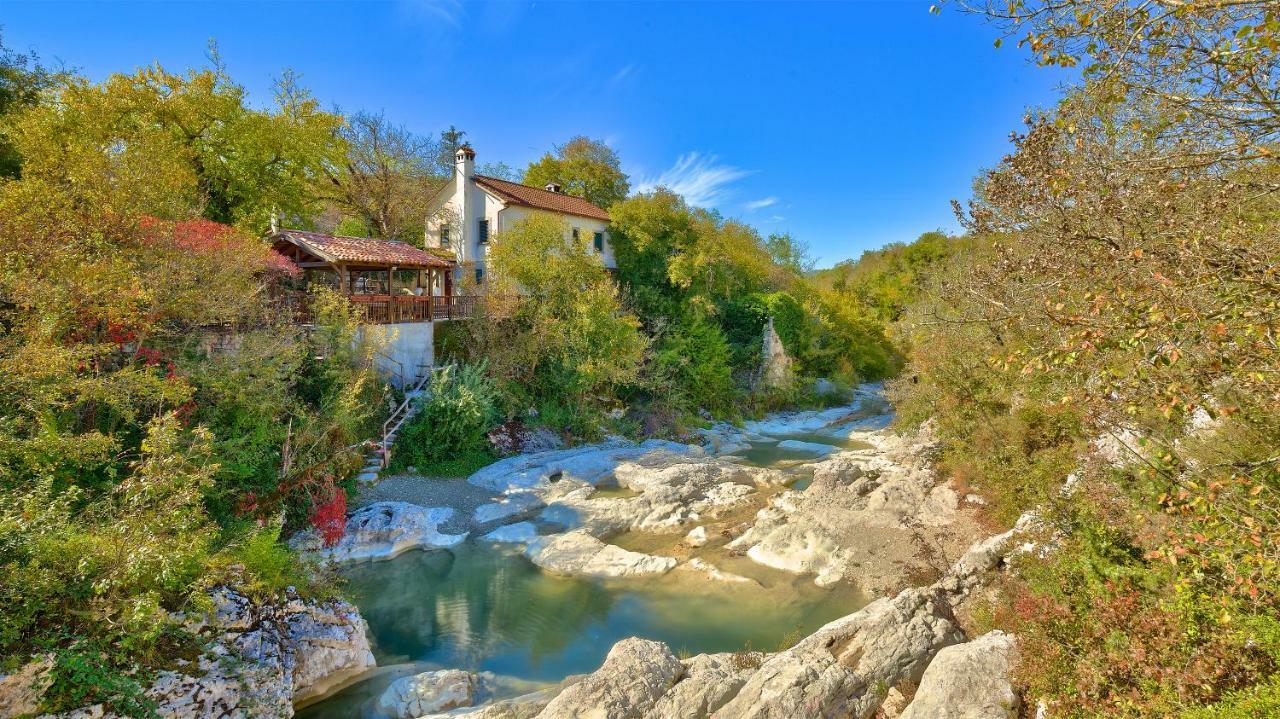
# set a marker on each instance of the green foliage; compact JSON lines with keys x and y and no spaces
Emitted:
{"x":884,"y":282}
{"x":568,"y":337}
{"x":83,"y":675}
{"x":583,"y":168}
{"x":22,"y":81}
{"x":692,"y":366}
{"x":450,"y":425}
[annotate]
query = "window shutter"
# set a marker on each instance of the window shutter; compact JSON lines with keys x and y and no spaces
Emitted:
{"x":444,"y":235}
{"x":599,"y":242}
{"x":484,"y":231}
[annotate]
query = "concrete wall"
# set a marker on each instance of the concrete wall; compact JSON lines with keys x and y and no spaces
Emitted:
{"x":409,"y":343}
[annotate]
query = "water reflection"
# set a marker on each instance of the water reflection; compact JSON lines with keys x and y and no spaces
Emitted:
{"x":487,"y":608}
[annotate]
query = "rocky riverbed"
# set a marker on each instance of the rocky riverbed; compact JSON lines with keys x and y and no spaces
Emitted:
{"x":829,"y":497}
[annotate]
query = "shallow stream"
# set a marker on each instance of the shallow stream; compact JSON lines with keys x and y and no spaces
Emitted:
{"x":484,"y":607}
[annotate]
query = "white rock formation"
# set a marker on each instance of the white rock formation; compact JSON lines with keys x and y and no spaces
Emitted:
{"x":429,"y":692}
{"x":518,"y":533}
{"x":260,"y":659}
{"x":579,"y":553}
{"x":588,"y":463}
{"x":968,"y":681}
{"x":634,"y":677}
{"x":383,"y":530}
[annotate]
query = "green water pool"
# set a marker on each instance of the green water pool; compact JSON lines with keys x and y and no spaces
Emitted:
{"x":486,"y":608}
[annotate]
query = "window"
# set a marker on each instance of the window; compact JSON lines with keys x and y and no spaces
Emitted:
{"x":599,"y":242}
{"x":479,"y":275}
{"x":484,"y":231}
{"x":444,"y":235}
{"x":575,"y":234}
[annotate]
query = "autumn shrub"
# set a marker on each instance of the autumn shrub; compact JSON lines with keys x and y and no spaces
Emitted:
{"x":458,"y":409}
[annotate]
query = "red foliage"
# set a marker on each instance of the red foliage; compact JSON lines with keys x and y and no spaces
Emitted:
{"x":277,"y":262}
{"x":329,"y":517}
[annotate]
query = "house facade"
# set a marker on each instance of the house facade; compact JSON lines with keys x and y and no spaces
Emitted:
{"x":471,"y":210}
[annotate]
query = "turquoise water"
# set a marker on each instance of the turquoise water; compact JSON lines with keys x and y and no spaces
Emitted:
{"x":769,"y":454}
{"x":485,"y":608}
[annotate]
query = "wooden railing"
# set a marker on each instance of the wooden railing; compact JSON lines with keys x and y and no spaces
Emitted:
{"x":390,"y":309}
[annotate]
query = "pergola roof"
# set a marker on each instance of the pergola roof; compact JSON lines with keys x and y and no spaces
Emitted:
{"x":362,"y":251}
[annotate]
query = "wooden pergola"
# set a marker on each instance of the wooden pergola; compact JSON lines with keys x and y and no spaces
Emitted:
{"x":366,"y":271}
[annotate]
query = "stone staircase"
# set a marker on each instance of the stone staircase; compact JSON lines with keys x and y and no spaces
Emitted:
{"x":379,"y":457}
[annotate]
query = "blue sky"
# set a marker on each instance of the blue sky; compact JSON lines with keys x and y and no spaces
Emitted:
{"x":849,"y":125}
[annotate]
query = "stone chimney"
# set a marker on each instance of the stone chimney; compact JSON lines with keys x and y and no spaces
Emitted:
{"x":465,"y":162}
{"x":552,"y":187}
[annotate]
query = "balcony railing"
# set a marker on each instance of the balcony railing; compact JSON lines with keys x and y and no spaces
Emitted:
{"x":391,"y":309}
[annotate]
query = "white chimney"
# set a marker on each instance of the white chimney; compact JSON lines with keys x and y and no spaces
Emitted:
{"x":466,"y":161}
{"x":552,"y":187}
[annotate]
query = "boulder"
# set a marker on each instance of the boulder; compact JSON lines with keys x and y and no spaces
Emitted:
{"x":968,"y":681}
{"x":634,"y":677}
{"x":812,"y":448}
{"x":696,"y":537}
{"x":516,"y":504}
{"x":259,"y":660}
{"x":383,"y":530}
{"x":708,"y":682}
{"x":518,"y":533}
{"x":579,"y":553}
{"x":839,"y":670}
{"x":589,"y":463}
{"x":20,"y":691}
{"x":429,"y":692}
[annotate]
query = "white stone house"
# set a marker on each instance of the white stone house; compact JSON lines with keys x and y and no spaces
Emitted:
{"x":472,"y":209}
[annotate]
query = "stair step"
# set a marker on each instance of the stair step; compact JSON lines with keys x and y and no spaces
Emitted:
{"x":367,"y":477}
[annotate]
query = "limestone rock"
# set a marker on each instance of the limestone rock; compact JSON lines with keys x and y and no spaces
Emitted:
{"x":428,"y":692}
{"x":259,"y":660}
{"x":383,"y":530}
{"x":516,"y":504}
{"x":709,"y":681}
{"x":696,"y":537}
{"x":588,"y":464}
{"x":634,"y":677}
{"x":579,"y":553}
{"x":518,"y":533}
{"x":837,"y":670}
{"x":20,"y":691}
{"x":968,"y":681}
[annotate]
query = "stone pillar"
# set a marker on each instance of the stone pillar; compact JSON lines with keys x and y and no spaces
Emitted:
{"x":775,"y":365}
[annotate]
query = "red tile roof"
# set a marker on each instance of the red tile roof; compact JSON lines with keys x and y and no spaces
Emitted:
{"x":361,"y":250}
{"x":538,"y":198}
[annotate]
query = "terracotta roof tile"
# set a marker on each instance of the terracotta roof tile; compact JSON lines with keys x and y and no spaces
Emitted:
{"x":362,"y":249}
{"x":538,"y":198}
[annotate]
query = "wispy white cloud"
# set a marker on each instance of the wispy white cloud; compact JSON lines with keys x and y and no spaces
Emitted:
{"x":450,"y":12}
{"x":761,"y":203}
{"x":622,"y":74}
{"x":700,"y":179}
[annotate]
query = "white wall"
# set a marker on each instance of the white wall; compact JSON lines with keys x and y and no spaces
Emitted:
{"x":464,"y":204}
{"x":409,"y":343}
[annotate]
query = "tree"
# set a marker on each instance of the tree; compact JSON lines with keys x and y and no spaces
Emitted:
{"x":446,"y":156}
{"x":387,"y":178}
{"x":583,"y":168}
{"x":194,"y":140}
{"x":1203,"y":73}
{"x":567,"y":338}
{"x":22,"y":80}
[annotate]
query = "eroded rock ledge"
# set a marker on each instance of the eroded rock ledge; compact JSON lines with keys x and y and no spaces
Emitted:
{"x":261,"y":658}
{"x":842,"y":670}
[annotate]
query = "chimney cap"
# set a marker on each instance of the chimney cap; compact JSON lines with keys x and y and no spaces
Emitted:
{"x":466,"y":153}
{"x":552,"y":187}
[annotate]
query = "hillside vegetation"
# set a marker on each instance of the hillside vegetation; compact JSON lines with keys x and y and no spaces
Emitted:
{"x":1113,"y":318}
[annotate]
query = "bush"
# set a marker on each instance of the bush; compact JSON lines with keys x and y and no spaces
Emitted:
{"x":459,"y":408}
{"x":691,"y":366}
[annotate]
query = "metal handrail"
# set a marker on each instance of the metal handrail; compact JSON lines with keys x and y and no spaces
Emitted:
{"x":398,"y":417}
{"x":401,"y":374}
